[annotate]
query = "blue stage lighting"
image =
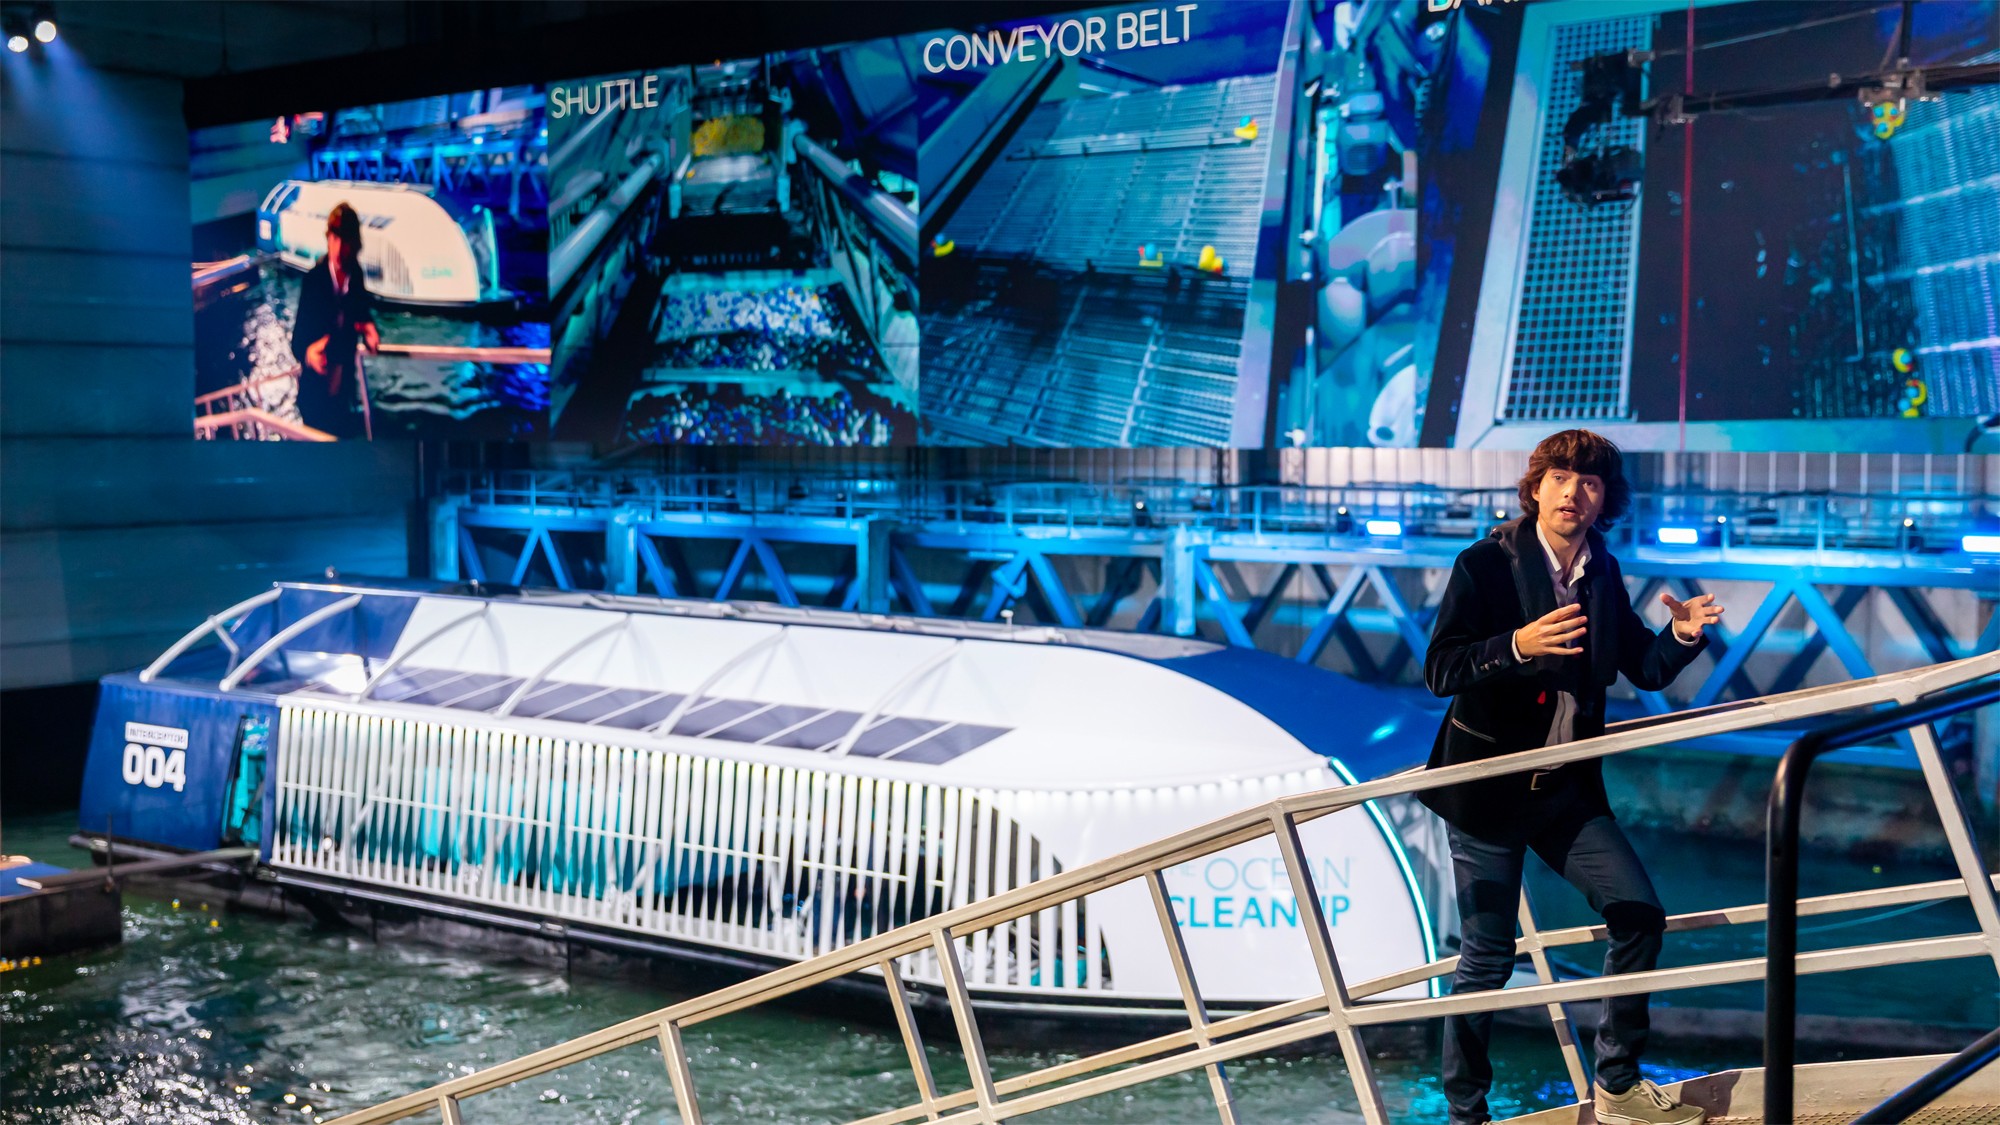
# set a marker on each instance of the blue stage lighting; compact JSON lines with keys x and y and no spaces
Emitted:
{"x":1679,"y":536}
{"x":1982,"y":544}
{"x":45,"y":31}
{"x":17,"y":43}
{"x":1387,"y":528}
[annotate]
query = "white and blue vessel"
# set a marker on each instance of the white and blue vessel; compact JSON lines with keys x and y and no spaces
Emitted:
{"x":748,"y":785}
{"x":416,"y":248}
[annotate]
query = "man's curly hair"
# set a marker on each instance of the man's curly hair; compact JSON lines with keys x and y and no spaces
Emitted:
{"x":1579,"y":451}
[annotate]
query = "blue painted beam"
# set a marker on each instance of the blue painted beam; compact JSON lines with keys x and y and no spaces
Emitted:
{"x":908,"y":584}
{"x":1740,"y":647}
{"x":1219,"y":604}
{"x":1053,"y":590}
{"x":1121,"y":579}
{"x":1936,"y":640}
{"x":1334,"y":622}
{"x":656,"y":571}
{"x":1793,"y":674}
{"x":1833,"y":629}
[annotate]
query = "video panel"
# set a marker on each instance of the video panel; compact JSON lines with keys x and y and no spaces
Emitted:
{"x":1155,"y":225}
{"x":1820,"y":278}
{"x":373,"y":272}
{"x":1103,"y":228}
{"x":1096,"y":187}
{"x":734,"y":255}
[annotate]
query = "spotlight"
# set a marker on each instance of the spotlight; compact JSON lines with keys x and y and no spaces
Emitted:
{"x":1387,"y":529}
{"x":45,"y":31}
{"x":1499,"y":513}
{"x":17,"y":43}
{"x":1679,"y":536}
{"x":1981,"y":544}
{"x":1722,"y":519}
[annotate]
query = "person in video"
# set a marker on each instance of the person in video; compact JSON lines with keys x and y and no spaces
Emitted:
{"x":1534,"y":626}
{"x":336,"y":319}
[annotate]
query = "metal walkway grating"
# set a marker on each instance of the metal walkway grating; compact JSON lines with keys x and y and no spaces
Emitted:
{"x":1572,"y":331}
{"x":1929,"y":1115}
{"x":1115,"y":356}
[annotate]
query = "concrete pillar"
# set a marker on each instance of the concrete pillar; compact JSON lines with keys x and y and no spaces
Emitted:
{"x":444,"y":539}
{"x":871,"y":564}
{"x":1177,"y":588}
{"x":621,"y":552}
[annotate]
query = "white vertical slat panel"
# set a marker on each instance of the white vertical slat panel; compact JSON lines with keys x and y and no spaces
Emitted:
{"x":843,"y":856}
{"x":707,"y":839}
{"x":749,"y":896}
{"x":785,"y":839}
{"x":1023,"y":928}
{"x":678,"y":859}
{"x":587,"y":830}
{"x":898,"y":858}
{"x":742,"y":853}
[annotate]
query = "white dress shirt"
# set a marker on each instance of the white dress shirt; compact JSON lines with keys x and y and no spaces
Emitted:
{"x":1562,"y":728}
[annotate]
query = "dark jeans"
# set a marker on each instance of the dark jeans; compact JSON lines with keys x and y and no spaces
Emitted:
{"x":1595,"y":857}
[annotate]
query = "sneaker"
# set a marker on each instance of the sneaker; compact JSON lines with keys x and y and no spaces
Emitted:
{"x":1644,"y":1104}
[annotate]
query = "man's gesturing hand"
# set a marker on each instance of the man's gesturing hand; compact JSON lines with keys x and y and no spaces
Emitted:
{"x":1692,"y":614}
{"x":1552,"y":634}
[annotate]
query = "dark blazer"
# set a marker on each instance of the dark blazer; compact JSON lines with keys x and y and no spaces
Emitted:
{"x":336,"y":316}
{"x":1500,"y":706}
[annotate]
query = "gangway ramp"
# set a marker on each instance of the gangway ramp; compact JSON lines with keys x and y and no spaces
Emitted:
{"x":1827,"y":1094}
{"x":1340,"y":1008}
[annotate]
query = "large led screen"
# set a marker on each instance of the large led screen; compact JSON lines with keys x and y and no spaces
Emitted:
{"x":1261,"y":223}
{"x":733,"y":256}
{"x":1081,"y":230}
{"x":429,"y":318}
{"x":1806,"y":270}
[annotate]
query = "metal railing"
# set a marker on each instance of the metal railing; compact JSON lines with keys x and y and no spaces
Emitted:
{"x":1786,"y":806}
{"x":1338,"y":1008}
{"x":1819,"y":521}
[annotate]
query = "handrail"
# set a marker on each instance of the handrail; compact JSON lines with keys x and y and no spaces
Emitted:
{"x":1935,"y":1082}
{"x":264,"y":651}
{"x":1781,"y":877}
{"x":528,"y":685}
{"x":214,"y":623}
{"x":207,"y":425}
{"x":666,"y":726}
{"x":924,"y":668}
{"x":1336,"y":1009}
{"x":396,"y":661}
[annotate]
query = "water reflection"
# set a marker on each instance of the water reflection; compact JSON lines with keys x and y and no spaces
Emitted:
{"x":245,"y":336}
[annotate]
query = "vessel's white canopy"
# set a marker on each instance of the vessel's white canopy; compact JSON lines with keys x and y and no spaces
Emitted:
{"x":1007,"y":706}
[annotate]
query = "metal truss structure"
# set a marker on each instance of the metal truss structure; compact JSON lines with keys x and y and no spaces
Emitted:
{"x":1337,"y":566}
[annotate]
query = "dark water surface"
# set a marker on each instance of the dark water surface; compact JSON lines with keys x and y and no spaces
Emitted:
{"x":206,"y":1015}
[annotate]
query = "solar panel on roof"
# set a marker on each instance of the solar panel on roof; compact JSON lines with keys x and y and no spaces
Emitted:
{"x":948,"y":742}
{"x":892,"y":734}
{"x":793,"y":726}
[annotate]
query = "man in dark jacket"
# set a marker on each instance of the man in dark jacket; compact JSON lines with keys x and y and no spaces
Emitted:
{"x":1534,"y":626}
{"x":336,"y":319}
